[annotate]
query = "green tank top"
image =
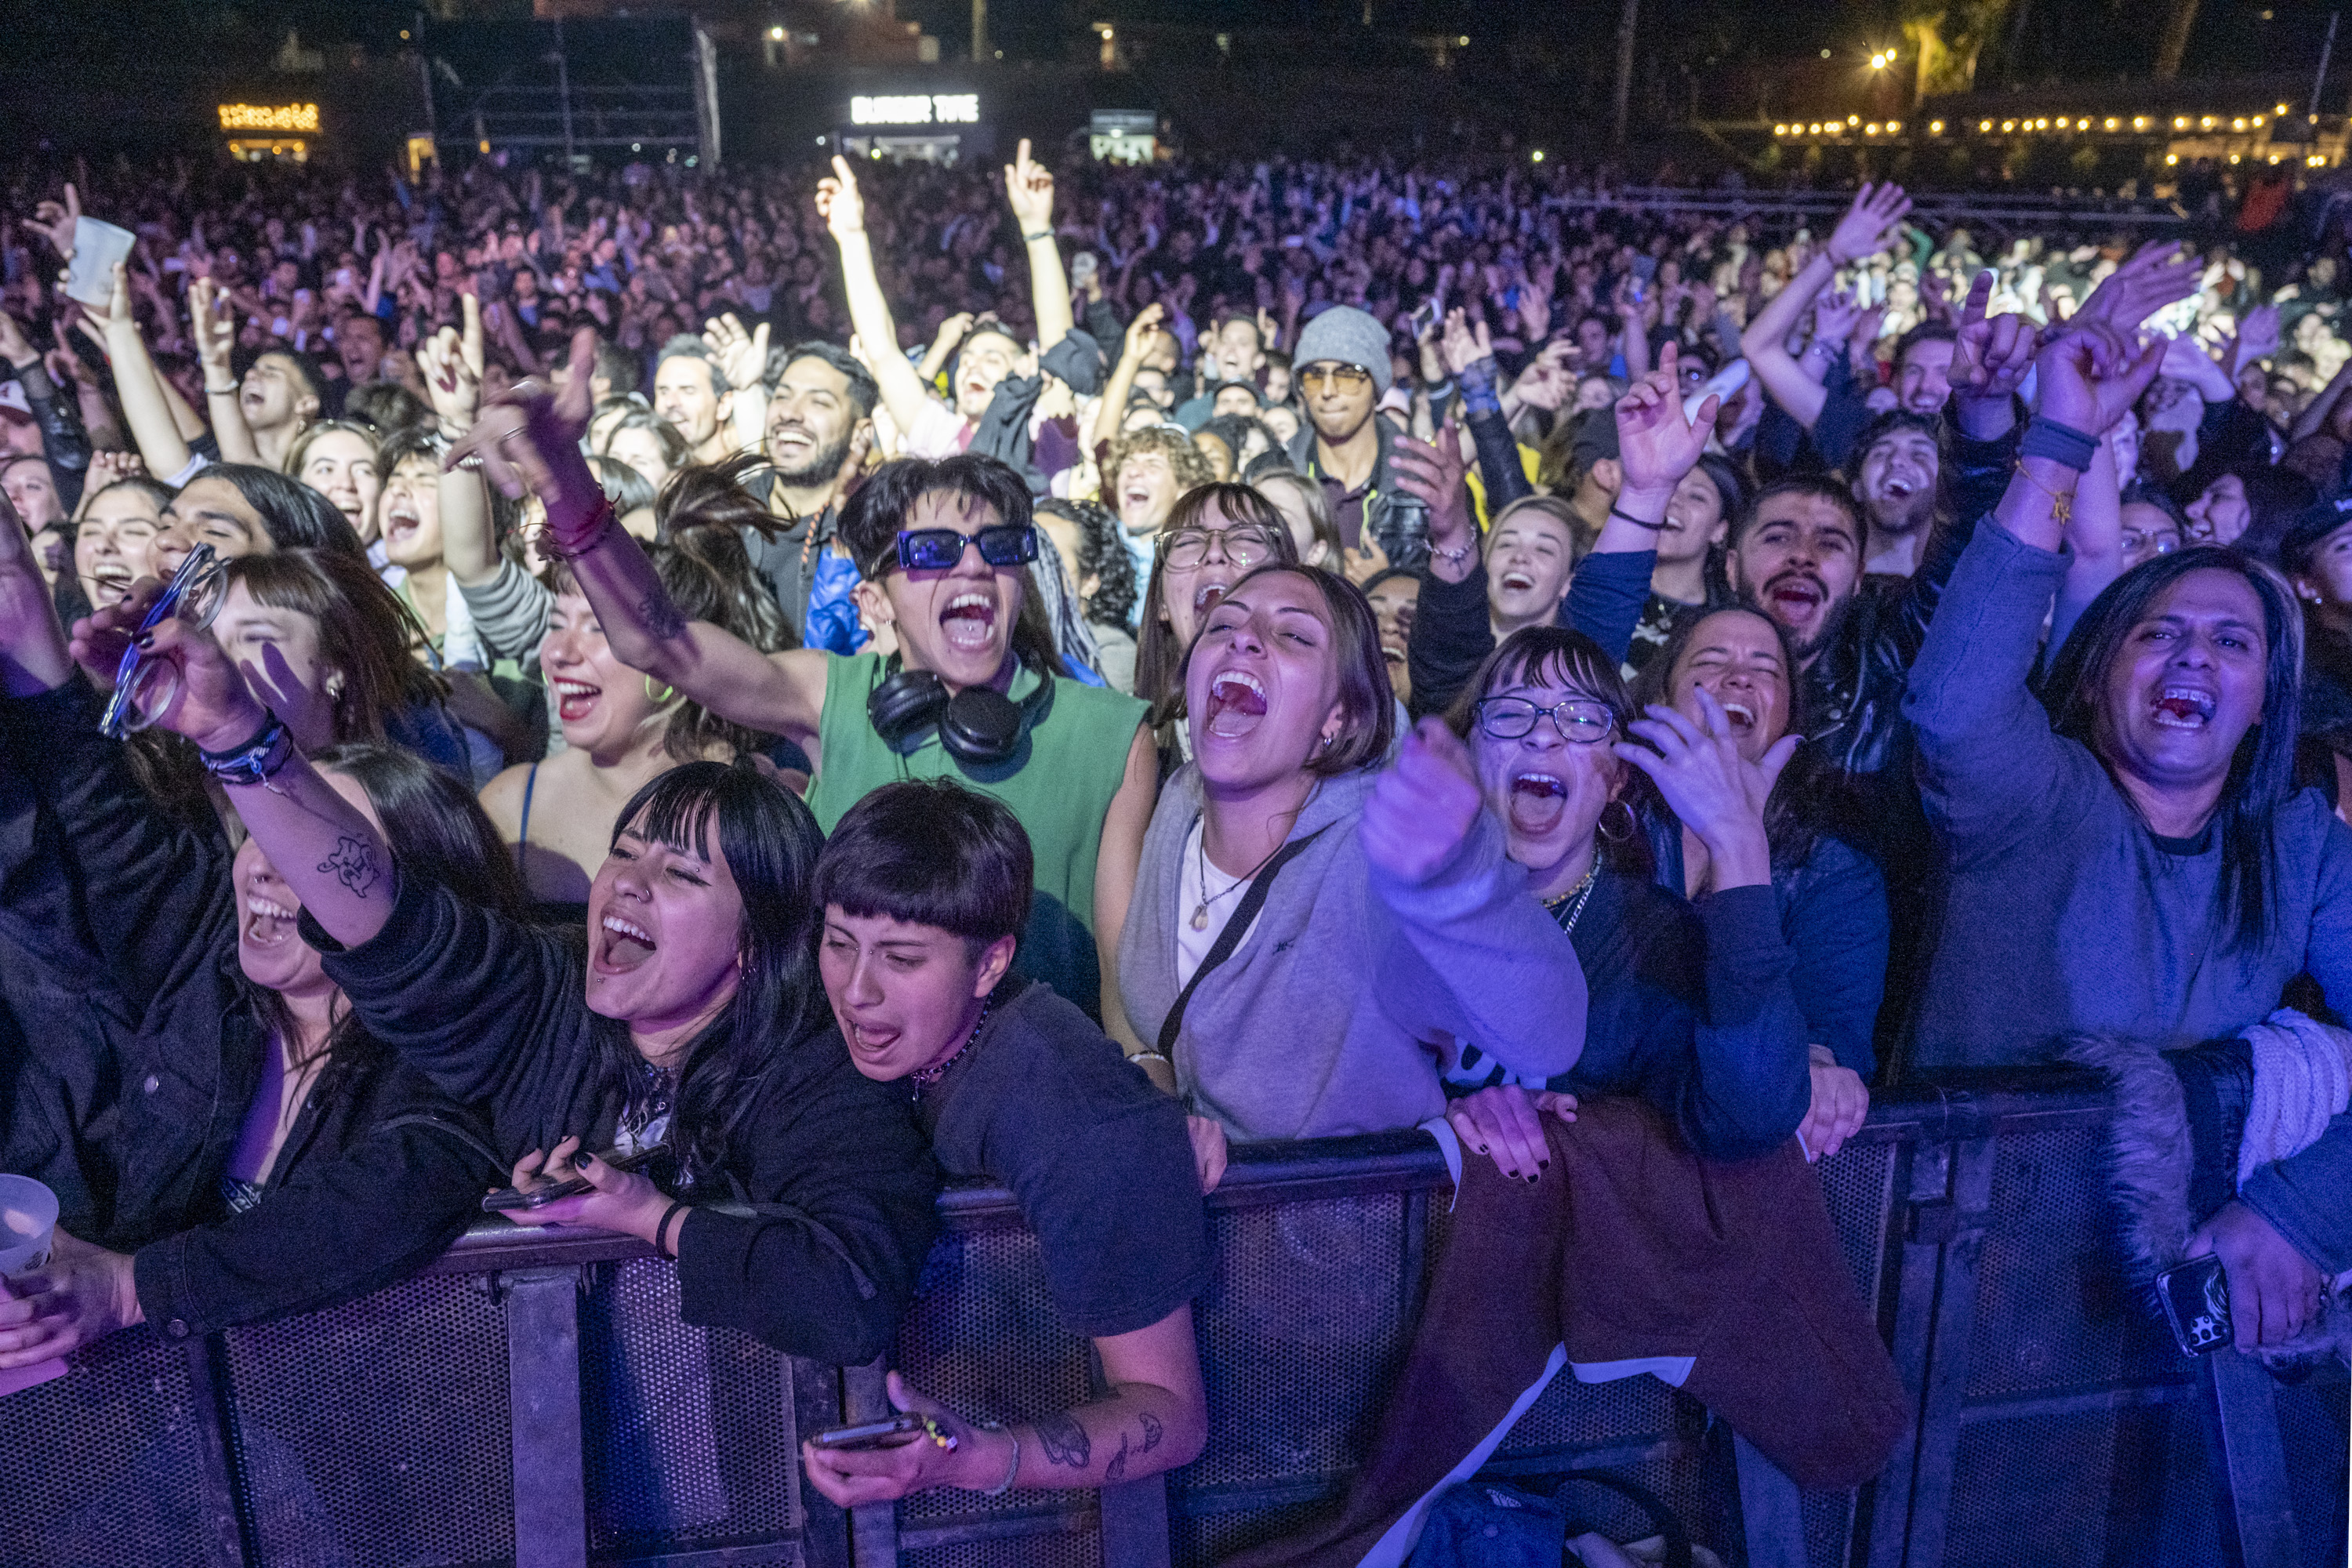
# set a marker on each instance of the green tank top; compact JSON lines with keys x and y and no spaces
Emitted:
{"x":1060,"y":785}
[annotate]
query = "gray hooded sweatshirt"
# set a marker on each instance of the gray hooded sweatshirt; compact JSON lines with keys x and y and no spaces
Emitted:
{"x":1327,"y":1020}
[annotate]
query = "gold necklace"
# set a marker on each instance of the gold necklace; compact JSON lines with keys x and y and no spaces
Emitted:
{"x":1200,"y":910}
{"x":1574,"y":899}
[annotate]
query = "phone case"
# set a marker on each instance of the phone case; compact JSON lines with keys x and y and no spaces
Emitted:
{"x":2196,"y":1297}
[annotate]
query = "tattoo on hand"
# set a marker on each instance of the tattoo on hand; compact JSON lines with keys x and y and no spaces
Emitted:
{"x":1152,"y":1432}
{"x":1065,"y":1441}
{"x":353,"y":863}
{"x":1117,"y":1469}
{"x":662,"y":620}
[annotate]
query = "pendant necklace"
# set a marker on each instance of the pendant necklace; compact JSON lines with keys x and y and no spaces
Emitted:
{"x":1201,"y":909}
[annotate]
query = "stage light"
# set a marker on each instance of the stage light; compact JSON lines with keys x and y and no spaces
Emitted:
{"x":1536,"y":155}
{"x":2140,"y":121}
{"x":2171,"y":157}
{"x":1935,"y":128}
{"x":775,"y":35}
{"x":2113,"y":123}
{"x":1984,"y":125}
{"x":1894,"y":127}
{"x":1871,"y":129}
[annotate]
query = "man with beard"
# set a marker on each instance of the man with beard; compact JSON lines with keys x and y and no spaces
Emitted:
{"x":691,"y":391}
{"x":1894,"y":481}
{"x":820,"y":405}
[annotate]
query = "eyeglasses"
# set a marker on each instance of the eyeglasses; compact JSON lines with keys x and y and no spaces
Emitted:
{"x":1579,"y":722}
{"x":2154,"y":544}
{"x":1188,"y":547}
{"x":144,"y":685}
{"x":939,"y":549}
{"x":1342,"y":377}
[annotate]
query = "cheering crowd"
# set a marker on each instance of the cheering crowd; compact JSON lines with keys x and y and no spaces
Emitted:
{"x":750,"y":695}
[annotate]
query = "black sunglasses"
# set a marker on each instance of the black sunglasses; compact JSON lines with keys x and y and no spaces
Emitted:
{"x":939,"y":549}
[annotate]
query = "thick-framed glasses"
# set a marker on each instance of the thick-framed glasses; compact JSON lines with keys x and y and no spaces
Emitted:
{"x":939,"y":549}
{"x":1246,"y":546}
{"x":1580,"y":722}
{"x":1344,"y":377}
{"x":144,"y":685}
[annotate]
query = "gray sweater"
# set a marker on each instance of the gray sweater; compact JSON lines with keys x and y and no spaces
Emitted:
{"x":1315,"y":1026}
{"x":2065,"y":911}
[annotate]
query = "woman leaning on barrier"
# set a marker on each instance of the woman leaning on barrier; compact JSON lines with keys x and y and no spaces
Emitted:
{"x":686,"y":1028}
{"x":269,"y":1155}
{"x":2129,"y":857}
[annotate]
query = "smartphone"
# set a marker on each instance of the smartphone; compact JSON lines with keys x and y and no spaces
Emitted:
{"x":507,"y":1200}
{"x":1424,"y":319}
{"x":2196,"y":1297}
{"x":864,"y":1434}
{"x":1723,"y":384}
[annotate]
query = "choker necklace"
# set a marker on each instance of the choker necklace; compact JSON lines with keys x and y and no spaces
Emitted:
{"x":931,"y":1075}
{"x":1201,"y":909}
{"x":1564,"y":909}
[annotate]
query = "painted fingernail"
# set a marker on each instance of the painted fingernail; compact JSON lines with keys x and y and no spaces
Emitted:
{"x":1542,"y":1165}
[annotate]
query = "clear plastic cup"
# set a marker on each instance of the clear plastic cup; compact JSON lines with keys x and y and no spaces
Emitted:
{"x":28,"y":1222}
{"x":98,"y":246}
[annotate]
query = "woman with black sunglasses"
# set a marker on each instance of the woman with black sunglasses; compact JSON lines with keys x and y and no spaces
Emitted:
{"x":976,"y":690}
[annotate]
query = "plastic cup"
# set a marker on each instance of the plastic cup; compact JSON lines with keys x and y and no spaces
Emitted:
{"x":98,"y":246}
{"x":29,"y":1221}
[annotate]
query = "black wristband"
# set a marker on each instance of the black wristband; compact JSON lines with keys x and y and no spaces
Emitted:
{"x":1657,"y":527}
{"x":662,"y":1230}
{"x":256,"y":761}
{"x":2045,"y":438}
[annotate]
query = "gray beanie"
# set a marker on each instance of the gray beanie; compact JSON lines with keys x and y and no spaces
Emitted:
{"x":1351,"y":337}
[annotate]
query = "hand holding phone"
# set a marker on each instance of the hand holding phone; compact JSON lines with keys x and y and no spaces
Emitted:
{"x":512,"y":1200}
{"x":862,"y":1435}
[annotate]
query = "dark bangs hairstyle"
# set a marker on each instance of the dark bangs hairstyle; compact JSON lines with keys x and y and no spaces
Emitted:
{"x":872,"y":517}
{"x":295,"y":516}
{"x":1563,"y":658}
{"x":365,"y":634}
{"x":1368,"y":707}
{"x":2262,"y":772}
{"x":1159,"y":659}
{"x":931,"y":852}
{"x":438,"y":833}
{"x":1789,"y":827}
{"x":771,"y":843}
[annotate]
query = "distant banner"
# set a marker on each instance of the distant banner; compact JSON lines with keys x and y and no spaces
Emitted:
{"x":269,"y":116}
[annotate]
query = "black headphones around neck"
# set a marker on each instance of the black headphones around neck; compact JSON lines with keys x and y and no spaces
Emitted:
{"x":978,"y":726}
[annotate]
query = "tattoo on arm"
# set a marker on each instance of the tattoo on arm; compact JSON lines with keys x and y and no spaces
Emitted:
{"x":1117,"y":1469}
{"x":1152,"y":1432}
{"x":1065,"y":1441}
{"x":661,"y":621}
{"x":353,"y":863}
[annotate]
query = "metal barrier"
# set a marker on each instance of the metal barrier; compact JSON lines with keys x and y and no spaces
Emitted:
{"x":2012,"y":212}
{"x":535,"y":1400}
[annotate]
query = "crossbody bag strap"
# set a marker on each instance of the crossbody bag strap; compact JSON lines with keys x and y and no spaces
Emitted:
{"x":1231,"y":937}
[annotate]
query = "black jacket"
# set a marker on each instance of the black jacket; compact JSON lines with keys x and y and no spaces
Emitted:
{"x":380,"y":1172}
{"x":1398,"y":521}
{"x":832,"y":1213}
{"x":64,"y":443}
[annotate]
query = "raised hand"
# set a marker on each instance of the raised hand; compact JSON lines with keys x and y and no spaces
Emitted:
{"x":1432,"y":473}
{"x":1656,"y":443}
{"x":2156,"y":275}
{"x":210,"y":702}
{"x":2090,"y":375}
{"x":2185,"y":359}
{"x":2257,"y":339}
{"x":14,"y":346}
{"x":742,"y":356}
{"x":1717,"y":794}
{"x":838,"y":202}
{"x":1423,"y":804}
{"x":55,"y":221}
{"x":1029,"y":186}
{"x":1546,"y":382}
{"x":452,"y":384}
{"x":528,"y":443}
{"x":211,"y":322}
{"x":1867,"y":224}
{"x":1834,"y":314}
{"x":1463,"y":344}
{"x":1989,"y":360}
{"x":1141,"y":331}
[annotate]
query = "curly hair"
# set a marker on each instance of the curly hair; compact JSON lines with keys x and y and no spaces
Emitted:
{"x":1102,"y":555}
{"x":1184,"y":459}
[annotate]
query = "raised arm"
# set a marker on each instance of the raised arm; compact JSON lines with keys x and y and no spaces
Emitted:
{"x":1029,"y":185}
{"x":2095,"y":539}
{"x":154,"y":429}
{"x":1875,"y":212}
{"x":454,"y":387}
{"x":1112,"y":409}
{"x":844,"y":211}
{"x":528,"y":443}
{"x":212,"y":322}
{"x":743,"y":361}
{"x":1657,"y":444}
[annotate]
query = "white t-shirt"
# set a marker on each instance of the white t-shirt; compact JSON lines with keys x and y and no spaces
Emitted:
{"x":1222,"y":893}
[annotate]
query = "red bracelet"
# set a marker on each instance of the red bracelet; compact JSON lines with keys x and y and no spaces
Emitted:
{"x":554,"y":547}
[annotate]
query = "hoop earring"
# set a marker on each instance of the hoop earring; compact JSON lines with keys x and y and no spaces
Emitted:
{"x":668,"y":691}
{"x":1632,"y":823}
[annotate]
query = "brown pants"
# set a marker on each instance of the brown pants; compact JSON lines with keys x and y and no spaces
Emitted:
{"x":1630,"y":1246}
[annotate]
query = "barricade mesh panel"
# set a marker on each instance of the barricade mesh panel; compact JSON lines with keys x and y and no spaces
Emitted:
{"x":1829,"y":1524}
{"x":1211,"y":1538}
{"x":2314,"y":1418}
{"x":1582,"y":1415}
{"x":1016,"y":1552}
{"x":689,"y":1432}
{"x":1858,"y":1183}
{"x":2053,"y":1308}
{"x":2092,"y":1490}
{"x":377,"y":1432}
{"x":103,"y":1463}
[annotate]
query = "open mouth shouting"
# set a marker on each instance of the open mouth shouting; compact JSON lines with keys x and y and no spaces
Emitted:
{"x":1236,"y":703}
{"x":968,"y":622}
{"x":1538,"y":800}
{"x":267,"y":923}
{"x":401,"y":523}
{"x":790,"y":444}
{"x":621,"y":945}
{"x":575,"y":699}
{"x":1741,"y":717}
{"x":1796,"y":598}
{"x":111,"y":579}
{"x":1515,"y":581}
{"x":2184,"y":707}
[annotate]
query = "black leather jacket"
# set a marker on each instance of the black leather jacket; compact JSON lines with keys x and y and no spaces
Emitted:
{"x":63,"y":442}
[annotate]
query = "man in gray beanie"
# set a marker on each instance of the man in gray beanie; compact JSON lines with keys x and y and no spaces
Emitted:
{"x":1343,"y":371}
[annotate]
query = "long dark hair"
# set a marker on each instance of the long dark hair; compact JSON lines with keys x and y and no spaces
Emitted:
{"x":1788,"y":826}
{"x":770,"y":842}
{"x":438,"y":833}
{"x":295,"y":516}
{"x":2262,"y":772}
{"x":365,"y":634}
